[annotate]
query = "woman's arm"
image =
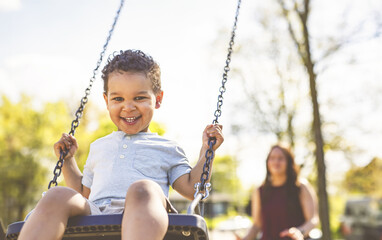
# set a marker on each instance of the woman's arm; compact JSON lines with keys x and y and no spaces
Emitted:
{"x":256,"y":216}
{"x":308,"y":201}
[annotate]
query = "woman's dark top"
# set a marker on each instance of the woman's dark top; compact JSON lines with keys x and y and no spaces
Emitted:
{"x":276,"y":214}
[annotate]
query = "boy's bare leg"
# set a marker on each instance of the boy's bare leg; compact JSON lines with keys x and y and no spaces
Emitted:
{"x":49,"y":218}
{"x":145,"y":215}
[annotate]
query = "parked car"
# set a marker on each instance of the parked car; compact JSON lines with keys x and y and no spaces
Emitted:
{"x":362,"y":219}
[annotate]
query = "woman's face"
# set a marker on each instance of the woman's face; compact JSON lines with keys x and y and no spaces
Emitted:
{"x":277,"y":162}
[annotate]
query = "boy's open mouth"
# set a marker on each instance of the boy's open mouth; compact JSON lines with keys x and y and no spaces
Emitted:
{"x":130,"y":119}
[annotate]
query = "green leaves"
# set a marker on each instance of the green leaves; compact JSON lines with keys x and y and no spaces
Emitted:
{"x":22,"y":152}
{"x":365,"y":180}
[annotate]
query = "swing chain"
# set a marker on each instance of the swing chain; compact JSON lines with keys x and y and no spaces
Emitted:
{"x":222,"y":89}
{"x":211,"y":142}
{"x":76,"y":122}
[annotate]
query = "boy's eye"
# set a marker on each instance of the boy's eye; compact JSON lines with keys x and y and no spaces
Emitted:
{"x":118,"y":99}
{"x":140,"y":98}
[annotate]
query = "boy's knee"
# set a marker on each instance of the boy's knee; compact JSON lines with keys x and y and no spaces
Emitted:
{"x":57,"y":196}
{"x":64,"y":200}
{"x":144,"y":190}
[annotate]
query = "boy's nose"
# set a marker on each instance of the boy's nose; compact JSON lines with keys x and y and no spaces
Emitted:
{"x":128,"y":106}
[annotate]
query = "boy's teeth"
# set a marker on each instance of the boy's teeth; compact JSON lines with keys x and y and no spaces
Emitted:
{"x":130,"y":119}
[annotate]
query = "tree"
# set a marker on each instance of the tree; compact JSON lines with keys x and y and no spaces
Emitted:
{"x":282,"y":35}
{"x":24,"y":135}
{"x":271,"y":100}
{"x":301,"y":38}
{"x":224,"y":178}
{"x":366,"y":179}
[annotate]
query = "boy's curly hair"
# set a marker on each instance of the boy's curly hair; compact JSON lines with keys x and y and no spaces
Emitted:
{"x":133,"y":61}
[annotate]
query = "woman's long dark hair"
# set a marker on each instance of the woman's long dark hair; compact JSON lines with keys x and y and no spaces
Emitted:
{"x":292,"y":183}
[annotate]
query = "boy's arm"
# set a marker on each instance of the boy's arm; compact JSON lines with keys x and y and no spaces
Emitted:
{"x":185,"y":184}
{"x":70,"y":170}
{"x":73,"y":176}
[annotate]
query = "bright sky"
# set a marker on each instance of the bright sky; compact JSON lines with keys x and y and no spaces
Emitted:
{"x":49,"y":49}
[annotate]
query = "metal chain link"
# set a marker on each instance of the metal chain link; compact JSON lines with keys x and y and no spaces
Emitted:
{"x":211,"y":141}
{"x":76,"y":122}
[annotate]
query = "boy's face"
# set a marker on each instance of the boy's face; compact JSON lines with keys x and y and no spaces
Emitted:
{"x":131,"y":101}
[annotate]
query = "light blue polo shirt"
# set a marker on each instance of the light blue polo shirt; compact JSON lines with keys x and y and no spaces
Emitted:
{"x":118,"y":160}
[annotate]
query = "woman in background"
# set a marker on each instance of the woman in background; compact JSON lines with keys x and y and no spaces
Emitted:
{"x":284,"y":206}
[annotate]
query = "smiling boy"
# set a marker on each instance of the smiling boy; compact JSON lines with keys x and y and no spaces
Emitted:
{"x":128,"y":171}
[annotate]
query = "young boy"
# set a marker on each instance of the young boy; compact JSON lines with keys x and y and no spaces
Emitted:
{"x":128,"y":171}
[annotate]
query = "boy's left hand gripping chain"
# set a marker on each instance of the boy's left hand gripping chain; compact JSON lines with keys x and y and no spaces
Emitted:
{"x":203,"y":186}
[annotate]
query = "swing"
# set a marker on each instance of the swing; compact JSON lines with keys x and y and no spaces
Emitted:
{"x":190,"y":226}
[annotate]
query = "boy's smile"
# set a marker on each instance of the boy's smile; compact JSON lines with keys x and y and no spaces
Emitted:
{"x":131,"y":101}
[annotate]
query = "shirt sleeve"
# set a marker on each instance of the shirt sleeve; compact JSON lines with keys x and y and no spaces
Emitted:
{"x":180,"y":165}
{"x":88,"y":173}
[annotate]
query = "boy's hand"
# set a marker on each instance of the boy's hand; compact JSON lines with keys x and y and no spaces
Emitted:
{"x":66,"y":142}
{"x":213,"y":131}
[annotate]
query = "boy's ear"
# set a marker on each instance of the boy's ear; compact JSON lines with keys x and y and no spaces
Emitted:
{"x":106,"y":99}
{"x":158,"y":99}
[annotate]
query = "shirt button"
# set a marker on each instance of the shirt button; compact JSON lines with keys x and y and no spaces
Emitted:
{"x":121,"y":156}
{"x":128,"y":137}
{"x":124,"y":146}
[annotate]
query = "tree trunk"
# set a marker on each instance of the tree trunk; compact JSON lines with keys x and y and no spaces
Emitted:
{"x":319,"y":152}
{"x":303,"y":47}
{"x":320,"y":160}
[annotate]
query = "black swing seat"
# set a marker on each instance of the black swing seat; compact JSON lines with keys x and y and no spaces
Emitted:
{"x":108,"y":227}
